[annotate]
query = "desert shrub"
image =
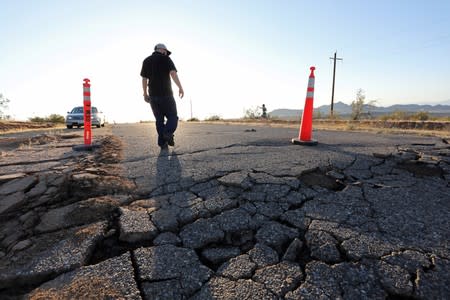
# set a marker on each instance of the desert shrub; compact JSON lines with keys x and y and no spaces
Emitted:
{"x":258,"y":112}
{"x":358,"y":105}
{"x":3,"y":106}
{"x":37,"y":119}
{"x":421,"y":116}
{"x":335,"y":116}
{"x":401,"y":115}
{"x":361,"y":108}
{"x":252,"y":113}
{"x":193,"y":120}
{"x":396,"y":115}
{"x":55,"y":118}
{"x":213,"y":118}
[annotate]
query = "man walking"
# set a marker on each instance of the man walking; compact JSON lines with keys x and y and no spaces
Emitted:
{"x":156,"y":72}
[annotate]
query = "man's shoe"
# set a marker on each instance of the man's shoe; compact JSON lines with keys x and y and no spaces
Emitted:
{"x":169,"y":139}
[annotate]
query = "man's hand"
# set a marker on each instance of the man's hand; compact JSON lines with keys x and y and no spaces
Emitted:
{"x":181,"y":93}
{"x":145,"y":89}
{"x":175,"y":78}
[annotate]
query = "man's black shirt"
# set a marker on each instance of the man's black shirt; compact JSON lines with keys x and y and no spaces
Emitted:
{"x":157,"y":69}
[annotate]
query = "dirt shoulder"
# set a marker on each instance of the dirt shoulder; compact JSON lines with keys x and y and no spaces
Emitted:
{"x":427,"y":128}
{"x":55,"y":209}
{"x":14,"y":126}
{"x":424,"y":128}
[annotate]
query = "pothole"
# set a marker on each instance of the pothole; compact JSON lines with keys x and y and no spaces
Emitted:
{"x":304,"y":256}
{"x":111,"y":246}
{"x":108,"y":248}
{"x":319,"y":178}
{"x":422,"y":169}
{"x":399,"y":297}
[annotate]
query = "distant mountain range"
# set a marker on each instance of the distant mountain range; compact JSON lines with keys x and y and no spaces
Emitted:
{"x":343,"y":109}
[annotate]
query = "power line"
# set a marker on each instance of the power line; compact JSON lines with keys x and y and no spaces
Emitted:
{"x":334,"y":76}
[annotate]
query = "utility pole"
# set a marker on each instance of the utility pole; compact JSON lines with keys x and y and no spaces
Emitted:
{"x":334,"y":76}
{"x":191,"y":107}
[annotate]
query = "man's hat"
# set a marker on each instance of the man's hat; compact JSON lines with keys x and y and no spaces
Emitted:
{"x":162,"y":46}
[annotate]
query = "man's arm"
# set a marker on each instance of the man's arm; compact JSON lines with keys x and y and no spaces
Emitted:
{"x":144,"y":88}
{"x":175,"y":78}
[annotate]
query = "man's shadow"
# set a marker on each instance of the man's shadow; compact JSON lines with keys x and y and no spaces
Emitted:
{"x":168,"y":168}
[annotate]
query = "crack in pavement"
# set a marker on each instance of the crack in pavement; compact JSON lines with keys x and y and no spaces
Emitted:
{"x":252,"y":223}
{"x":146,"y":157}
{"x":35,"y":162}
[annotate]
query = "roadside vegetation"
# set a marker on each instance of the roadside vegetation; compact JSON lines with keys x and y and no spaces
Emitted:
{"x":252,"y":113}
{"x":8,"y":124}
{"x":53,"y":118}
{"x":360,"y":107}
{"x":361,"y":118}
{"x":3,"y":107}
{"x":214,"y":118}
{"x":418,"y":116}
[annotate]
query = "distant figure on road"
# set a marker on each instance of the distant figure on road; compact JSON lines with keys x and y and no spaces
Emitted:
{"x":264,"y":111}
{"x":156,"y":72}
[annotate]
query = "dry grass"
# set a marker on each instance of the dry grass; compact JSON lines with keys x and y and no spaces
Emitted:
{"x":51,"y":139}
{"x":18,"y":126}
{"x":424,"y":128}
{"x":428,"y":128}
{"x":381,"y":127}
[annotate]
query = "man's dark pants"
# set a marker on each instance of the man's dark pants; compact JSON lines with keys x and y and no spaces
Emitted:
{"x":164,"y":107}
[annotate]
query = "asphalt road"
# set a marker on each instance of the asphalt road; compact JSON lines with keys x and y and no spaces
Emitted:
{"x":364,"y":215}
{"x":211,"y":149}
{"x":230,"y":212}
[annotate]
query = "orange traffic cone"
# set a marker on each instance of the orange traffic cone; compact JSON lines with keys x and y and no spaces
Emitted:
{"x":304,"y":136}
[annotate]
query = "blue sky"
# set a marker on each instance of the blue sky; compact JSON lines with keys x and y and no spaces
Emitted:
{"x":230,"y":55}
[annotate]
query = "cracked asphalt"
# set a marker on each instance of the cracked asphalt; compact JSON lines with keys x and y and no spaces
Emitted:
{"x":230,"y":212}
{"x":361,"y":215}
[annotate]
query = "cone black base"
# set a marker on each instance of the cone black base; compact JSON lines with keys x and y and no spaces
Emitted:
{"x":305,"y":143}
{"x":85,"y":147}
